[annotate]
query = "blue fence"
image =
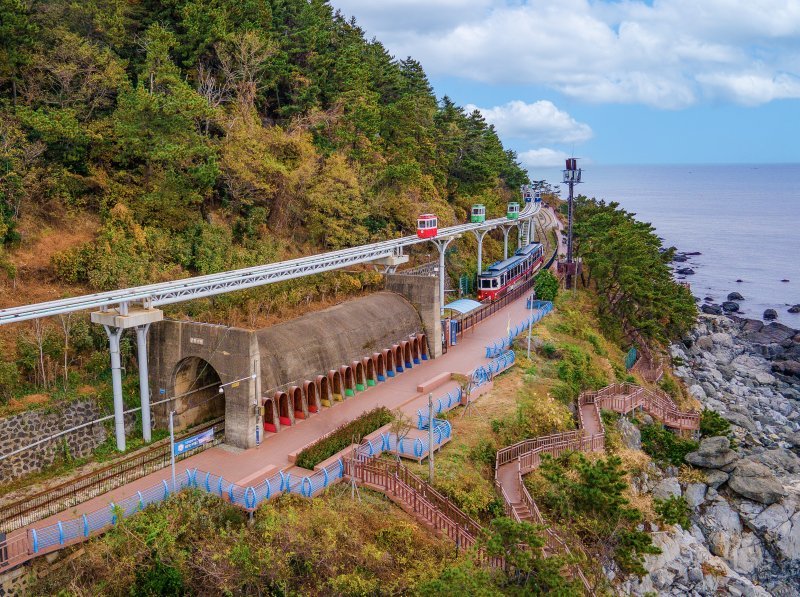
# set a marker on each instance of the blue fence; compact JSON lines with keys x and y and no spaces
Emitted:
{"x":248,"y":498}
{"x":542,"y":308}
{"x":497,"y":365}
{"x":440,"y":405}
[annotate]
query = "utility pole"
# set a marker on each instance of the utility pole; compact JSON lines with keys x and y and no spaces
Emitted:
{"x":572,"y":176}
{"x":430,"y":438}
{"x":172,"y":447}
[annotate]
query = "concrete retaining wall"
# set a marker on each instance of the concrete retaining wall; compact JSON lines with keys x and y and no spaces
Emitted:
{"x":423,"y":293}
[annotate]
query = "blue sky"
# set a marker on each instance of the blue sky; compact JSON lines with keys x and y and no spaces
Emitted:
{"x":619,"y":82}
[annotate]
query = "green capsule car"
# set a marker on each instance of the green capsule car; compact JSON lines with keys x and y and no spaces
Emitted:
{"x":478,"y":214}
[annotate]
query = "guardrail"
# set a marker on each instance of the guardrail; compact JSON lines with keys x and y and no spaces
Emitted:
{"x":53,"y":500}
{"x":442,"y":404}
{"x":542,"y":309}
{"x":486,"y":372}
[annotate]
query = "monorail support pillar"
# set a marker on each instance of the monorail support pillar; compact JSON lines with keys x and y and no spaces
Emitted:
{"x":115,"y":322}
{"x":506,"y":230}
{"x":144,"y":382}
{"x":479,"y":236}
{"x":442,"y":244}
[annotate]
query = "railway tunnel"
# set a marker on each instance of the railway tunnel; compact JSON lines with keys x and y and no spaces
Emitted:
{"x":300,"y":366}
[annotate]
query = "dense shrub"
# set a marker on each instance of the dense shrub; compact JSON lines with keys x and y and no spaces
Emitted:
{"x":712,"y":424}
{"x":663,"y":445}
{"x":673,"y":510}
{"x":343,"y":436}
{"x":546,"y":286}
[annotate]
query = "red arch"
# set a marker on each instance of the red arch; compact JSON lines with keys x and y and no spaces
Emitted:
{"x":285,"y":412}
{"x":348,"y":380}
{"x":300,"y":409}
{"x":270,"y":421}
{"x":415,"y":350}
{"x":312,"y":397}
{"x":335,"y":382}
{"x":324,"y":390}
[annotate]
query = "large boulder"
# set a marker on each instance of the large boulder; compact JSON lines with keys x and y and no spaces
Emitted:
{"x":730,"y":307}
{"x":631,"y":436}
{"x":735,"y":296}
{"x":667,"y":488}
{"x":770,"y":314}
{"x":756,"y":482}
{"x":714,"y":452}
{"x":711,"y":309}
{"x":715,"y":478}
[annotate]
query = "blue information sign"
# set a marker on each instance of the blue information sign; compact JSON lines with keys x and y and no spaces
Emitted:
{"x":194,"y":442}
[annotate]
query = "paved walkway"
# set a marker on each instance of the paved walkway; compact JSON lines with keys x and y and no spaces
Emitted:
{"x":250,"y":466}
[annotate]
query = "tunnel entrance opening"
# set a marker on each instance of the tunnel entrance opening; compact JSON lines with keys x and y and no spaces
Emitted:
{"x":284,"y":411}
{"x":197,"y":393}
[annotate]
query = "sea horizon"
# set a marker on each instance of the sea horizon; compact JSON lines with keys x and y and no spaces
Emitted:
{"x":742,"y":218}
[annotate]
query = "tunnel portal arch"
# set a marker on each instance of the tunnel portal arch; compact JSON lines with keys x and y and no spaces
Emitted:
{"x":197,"y":392}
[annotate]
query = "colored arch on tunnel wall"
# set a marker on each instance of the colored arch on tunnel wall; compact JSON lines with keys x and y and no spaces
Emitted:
{"x":388,"y":357}
{"x":271,"y":422}
{"x":348,"y":380}
{"x":398,"y":358}
{"x":370,"y":370}
{"x":407,"y":353}
{"x":423,"y":346}
{"x":285,"y":411}
{"x":324,"y":390}
{"x":312,"y":397}
{"x":335,"y":381}
{"x":298,"y":406}
{"x":380,"y":365}
{"x":359,"y":375}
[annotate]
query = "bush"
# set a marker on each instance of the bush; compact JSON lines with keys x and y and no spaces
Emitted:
{"x":712,"y":424}
{"x":548,"y":349}
{"x":483,"y":453}
{"x":9,"y":380}
{"x":546,"y":286}
{"x":670,"y":386}
{"x":673,"y":510}
{"x":343,"y":436}
{"x":663,"y":445}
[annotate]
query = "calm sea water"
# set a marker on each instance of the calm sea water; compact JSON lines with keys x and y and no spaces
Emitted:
{"x":744,"y":219}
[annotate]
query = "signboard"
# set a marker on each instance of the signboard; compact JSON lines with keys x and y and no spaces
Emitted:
{"x":194,"y":442}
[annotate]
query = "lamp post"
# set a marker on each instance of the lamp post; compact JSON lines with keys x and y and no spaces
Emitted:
{"x":572,"y":176}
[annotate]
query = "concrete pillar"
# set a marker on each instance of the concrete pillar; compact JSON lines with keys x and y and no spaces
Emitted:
{"x":506,"y":230}
{"x":144,"y":382}
{"x":114,"y":335}
{"x":442,"y":247}
{"x":479,"y":236}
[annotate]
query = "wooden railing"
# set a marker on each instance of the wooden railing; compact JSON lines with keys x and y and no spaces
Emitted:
{"x":624,"y":398}
{"x":14,"y":550}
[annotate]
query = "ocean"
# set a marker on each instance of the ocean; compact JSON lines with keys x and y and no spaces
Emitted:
{"x":743,"y":219}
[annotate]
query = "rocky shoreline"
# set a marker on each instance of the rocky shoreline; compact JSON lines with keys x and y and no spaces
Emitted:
{"x":744,"y":537}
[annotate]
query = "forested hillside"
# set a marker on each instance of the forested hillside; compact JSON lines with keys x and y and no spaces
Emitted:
{"x":148,"y":140}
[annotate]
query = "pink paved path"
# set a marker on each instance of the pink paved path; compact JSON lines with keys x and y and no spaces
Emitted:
{"x":399,"y":392}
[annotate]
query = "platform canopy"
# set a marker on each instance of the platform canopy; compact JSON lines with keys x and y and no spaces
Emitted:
{"x":463,"y":305}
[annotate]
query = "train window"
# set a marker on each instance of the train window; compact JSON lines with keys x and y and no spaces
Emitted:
{"x":494,"y":283}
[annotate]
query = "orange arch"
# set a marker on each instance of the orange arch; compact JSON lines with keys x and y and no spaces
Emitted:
{"x":296,"y":394}
{"x":415,"y":349}
{"x":285,"y":411}
{"x":380,"y":365}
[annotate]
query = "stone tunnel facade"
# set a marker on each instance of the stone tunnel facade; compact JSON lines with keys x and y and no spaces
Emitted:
{"x":299,"y":366}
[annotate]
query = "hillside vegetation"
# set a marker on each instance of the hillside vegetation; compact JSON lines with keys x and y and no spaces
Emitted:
{"x":153,"y":140}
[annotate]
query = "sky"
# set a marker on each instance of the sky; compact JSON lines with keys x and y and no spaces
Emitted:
{"x":610,"y":81}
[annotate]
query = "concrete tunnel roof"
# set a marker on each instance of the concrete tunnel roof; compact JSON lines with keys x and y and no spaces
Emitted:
{"x":314,"y":343}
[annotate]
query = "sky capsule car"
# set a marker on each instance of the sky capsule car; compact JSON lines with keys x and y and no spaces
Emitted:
{"x":427,"y":226}
{"x":478,"y":214}
{"x":512,"y":213}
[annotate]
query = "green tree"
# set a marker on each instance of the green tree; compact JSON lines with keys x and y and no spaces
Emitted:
{"x":590,"y":496}
{"x":546,"y":286}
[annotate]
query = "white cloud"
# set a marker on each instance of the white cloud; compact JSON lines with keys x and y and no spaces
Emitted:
{"x":539,"y":122}
{"x":668,"y":54}
{"x":544,"y":157}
